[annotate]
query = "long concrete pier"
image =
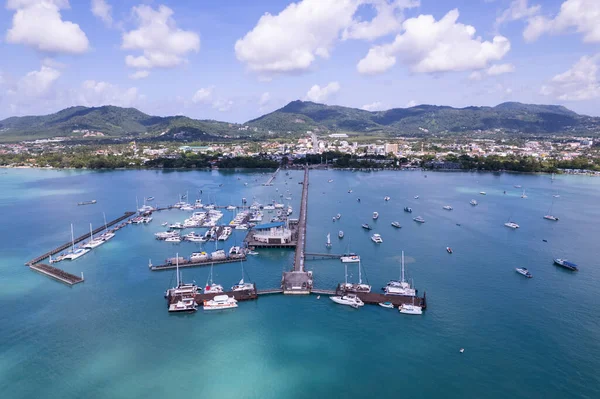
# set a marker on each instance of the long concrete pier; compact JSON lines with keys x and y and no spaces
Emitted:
{"x":273,"y":176}
{"x":170,"y":266}
{"x":57,"y":274}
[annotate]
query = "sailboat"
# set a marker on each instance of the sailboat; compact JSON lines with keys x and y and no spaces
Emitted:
{"x":548,"y":215}
{"x":211,"y":287}
{"x":242,"y":286}
{"x":93,"y":242}
{"x":360,"y":287}
{"x":401,"y":287}
{"x":328,"y":243}
{"x":75,"y":253}
{"x":407,"y":308}
{"x":523,"y":195}
{"x":107,"y":235}
{"x":185,"y":293}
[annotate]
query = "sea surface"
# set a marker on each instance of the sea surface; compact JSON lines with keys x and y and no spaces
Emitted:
{"x":112,"y":337}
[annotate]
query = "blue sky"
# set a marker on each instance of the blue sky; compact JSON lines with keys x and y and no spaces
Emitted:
{"x":228,"y":60}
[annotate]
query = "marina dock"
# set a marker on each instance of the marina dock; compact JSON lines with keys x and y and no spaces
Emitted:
{"x":57,"y":274}
{"x":374,"y":298}
{"x":250,"y":242}
{"x":169,"y":266}
{"x":273,"y":176}
{"x":322,"y":256}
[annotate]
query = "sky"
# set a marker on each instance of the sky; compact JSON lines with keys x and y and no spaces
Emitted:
{"x":234,"y":60}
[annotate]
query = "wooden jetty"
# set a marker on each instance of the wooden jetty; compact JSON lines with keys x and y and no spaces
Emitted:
{"x":78,"y":239}
{"x":322,"y":256}
{"x":270,"y":291}
{"x":187,"y":263}
{"x":57,"y":273}
{"x":270,"y":181}
{"x":375,"y":298}
{"x":246,"y":295}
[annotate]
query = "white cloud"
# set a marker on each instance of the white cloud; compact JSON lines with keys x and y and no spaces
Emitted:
{"x":93,"y":94}
{"x":374,"y":106}
{"x":222,"y":105}
{"x":102,"y":10}
{"x":293,"y":39}
{"x":203,"y":95}
{"x":162,"y":43}
{"x":518,"y":9}
{"x":141,"y":74}
{"x":39,"y":24}
{"x":500,"y":69}
{"x":578,"y":83}
{"x":37,"y":83}
{"x":427,"y":46}
{"x":582,"y":15}
{"x":319,"y":94}
{"x":264,"y":99}
{"x":411,"y":103}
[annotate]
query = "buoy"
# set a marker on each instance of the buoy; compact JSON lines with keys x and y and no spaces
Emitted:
{"x":462,"y":350}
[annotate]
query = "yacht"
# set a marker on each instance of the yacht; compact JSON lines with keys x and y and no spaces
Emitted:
{"x":447,"y":207}
{"x":219,"y":254}
{"x":164,"y":224}
{"x":350,"y":258}
{"x":231,"y":208}
{"x":193,"y":237}
{"x":220,"y":302}
{"x":376,"y":238}
{"x":199,"y":257}
{"x":550,"y":217}
{"x":386,"y":198}
{"x":175,"y":239}
{"x":211,"y":287}
{"x":566,"y":264}
{"x":396,"y":225}
{"x":177,"y":226}
{"x":512,"y":225}
{"x":388,"y":305}
{"x":473,"y":202}
{"x":340,"y":234}
{"x":407,"y":209}
{"x":181,"y":289}
{"x":162,"y":235}
{"x":93,"y":242}
{"x":236,"y":252}
{"x":416,"y":197}
{"x":524,"y":272}
{"x":400,"y":287}
{"x":407,"y":308}
{"x":242,"y":286}
{"x":366,"y":226}
{"x":375,"y":215}
{"x":349,"y":287}
{"x":348,"y":299}
{"x":75,"y":253}
{"x":419,"y":219}
{"x":482,"y":192}
{"x":187,"y":305}
{"x":449,"y":250}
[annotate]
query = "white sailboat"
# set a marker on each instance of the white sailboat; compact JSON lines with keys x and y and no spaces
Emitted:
{"x":93,"y":242}
{"x":107,"y":235}
{"x":360,"y":287}
{"x":328,"y":243}
{"x":401,"y":287}
{"x":242,"y":286}
{"x":211,"y":287}
{"x":75,"y":253}
{"x":548,"y":215}
{"x":407,"y":308}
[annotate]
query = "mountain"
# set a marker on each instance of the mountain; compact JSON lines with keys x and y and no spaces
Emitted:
{"x":299,"y":116}
{"x":111,"y":121}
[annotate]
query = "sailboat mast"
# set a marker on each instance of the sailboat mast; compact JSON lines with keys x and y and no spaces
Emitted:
{"x":91,"y":234}
{"x":402,"y":279}
{"x":72,"y":238}
{"x":105,"y":225}
{"x":346,"y":273}
{"x":359,"y":274}
{"x":177,"y":266}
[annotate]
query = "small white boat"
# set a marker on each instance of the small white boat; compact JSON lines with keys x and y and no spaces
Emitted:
{"x":524,"y":272}
{"x":375,"y":215}
{"x":338,"y":216}
{"x":447,"y":207}
{"x":340,"y":234}
{"x":184,"y":305}
{"x":396,"y":225}
{"x":330,"y":181}
{"x":473,"y":202}
{"x":252,"y":253}
{"x":556,"y":196}
{"x":348,"y":299}
{"x":387,"y":305}
{"x":376,"y":238}
{"x":550,"y":217}
{"x":512,"y":225}
{"x":419,"y":219}
{"x":386,"y":198}
{"x":220,"y":302}
{"x":328,"y":243}
{"x":416,"y":197}
{"x":164,"y":224}
{"x":410,"y":309}
{"x":482,"y":192}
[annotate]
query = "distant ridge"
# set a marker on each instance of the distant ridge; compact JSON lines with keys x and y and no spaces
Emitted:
{"x":297,"y":117}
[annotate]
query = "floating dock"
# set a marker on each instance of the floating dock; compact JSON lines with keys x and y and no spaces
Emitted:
{"x":322,"y":256}
{"x":57,"y":274}
{"x":374,"y":298}
{"x":169,"y":266}
{"x":270,"y":181}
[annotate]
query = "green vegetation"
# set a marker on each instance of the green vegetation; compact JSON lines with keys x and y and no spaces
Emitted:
{"x":521,"y":164}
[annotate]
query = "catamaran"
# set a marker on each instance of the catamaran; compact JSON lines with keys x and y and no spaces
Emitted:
{"x":242,"y":286}
{"x":220,"y":302}
{"x":75,"y":253}
{"x":211,"y":287}
{"x":376,"y":238}
{"x":401,"y":287}
{"x":360,"y":287}
{"x":407,"y":308}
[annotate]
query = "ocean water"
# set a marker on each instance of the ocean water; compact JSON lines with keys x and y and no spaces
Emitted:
{"x":111,"y":336}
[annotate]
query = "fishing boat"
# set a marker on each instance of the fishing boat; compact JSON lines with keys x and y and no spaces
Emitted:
{"x":566,"y":264}
{"x":449,"y":250}
{"x":211,"y":287}
{"x":407,"y":308}
{"x":376,"y":238}
{"x":328,"y":243}
{"x":348,"y":300}
{"x":87,"y":202}
{"x":340,"y":234}
{"x":396,"y":225}
{"x":524,"y":272}
{"x":400,"y":287}
{"x":407,"y":209}
{"x":351,"y":287}
{"x":375,"y":215}
{"x":473,"y":202}
{"x":447,"y":207}
{"x":387,"y":305}
{"x":220,"y":302}
{"x":366,"y":226}
{"x":419,"y":219}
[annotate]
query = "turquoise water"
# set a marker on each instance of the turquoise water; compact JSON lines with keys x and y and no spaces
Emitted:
{"x":111,"y":337}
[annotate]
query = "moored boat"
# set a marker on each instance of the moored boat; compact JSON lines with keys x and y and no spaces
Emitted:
{"x":366,"y":226}
{"x":388,"y":305}
{"x":406,"y":308}
{"x":512,"y":225}
{"x":376,"y":238}
{"x":348,"y":300}
{"x":566,"y":264}
{"x":396,"y":225}
{"x":447,"y":207}
{"x":220,"y":302}
{"x":375,"y":215}
{"x":340,"y":234}
{"x":524,"y":272}
{"x":184,"y":305}
{"x":407,"y":209}
{"x":419,"y":219}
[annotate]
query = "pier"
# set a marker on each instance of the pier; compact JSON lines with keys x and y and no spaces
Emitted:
{"x":293,"y":225}
{"x":57,"y":274}
{"x":374,"y":298}
{"x":270,"y":181}
{"x":322,"y":256}
{"x":299,"y":281}
{"x":186,"y":263}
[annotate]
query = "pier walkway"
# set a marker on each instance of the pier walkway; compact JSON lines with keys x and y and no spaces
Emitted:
{"x":322,"y":256}
{"x":57,"y":274}
{"x":273,"y":176}
{"x":169,"y":266}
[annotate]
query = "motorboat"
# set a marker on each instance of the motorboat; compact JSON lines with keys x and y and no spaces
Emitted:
{"x":340,"y":234}
{"x":177,"y":226}
{"x":524,"y":272}
{"x":386,"y":198}
{"x":566,"y":264}
{"x":387,"y":305}
{"x":407,"y":209}
{"x":449,"y":250}
{"x":512,"y":225}
{"x":375,"y":215}
{"x":416,"y":197}
{"x":447,"y":207}
{"x":406,"y":308}
{"x":366,"y":226}
{"x":338,"y":216}
{"x":396,"y":225}
{"x":193,"y":237}
{"x":550,"y":217}
{"x":220,"y":302}
{"x":348,"y":300}
{"x":376,"y":238}
{"x":350,"y":258}
{"x":199,"y":257}
{"x":400,"y":287}
{"x":482,"y":192}
{"x":219,"y":254}
{"x":187,"y":305}
{"x":419,"y":219}
{"x":163,"y":235}
{"x":473,"y":202}
{"x":174,"y":239}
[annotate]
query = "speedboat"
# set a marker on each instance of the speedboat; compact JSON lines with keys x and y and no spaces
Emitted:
{"x":406,"y":308}
{"x":388,"y":305}
{"x":416,"y":197}
{"x":512,"y":225}
{"x":449,"y":250}
{"x":93,"y":243}
{"x":482,"y":192}
{"x":419,"y":219}
{"x":550,"y":217}
{"x":340,"y":234}
{"x":447,"y":207}
{"x":386,"y":198}
{"x":396,"y":225}
{"x":350,"y":258}
{"x":566,"y":264}
{"x":184,"y":305}
{"x":407,"y":209}
{"x":375,"y":215}
{"x":199,"y":257}
{"x":524,"y":272}
{"x":366,"y":226}
{"x":376,"y":238}
{"x":338,"y":216}
{"x":220,"y":302}
{"x":241,"y":286}
{"x":175,"y":239}
{"x":348,"y":299}
{"x":473,"y":202}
